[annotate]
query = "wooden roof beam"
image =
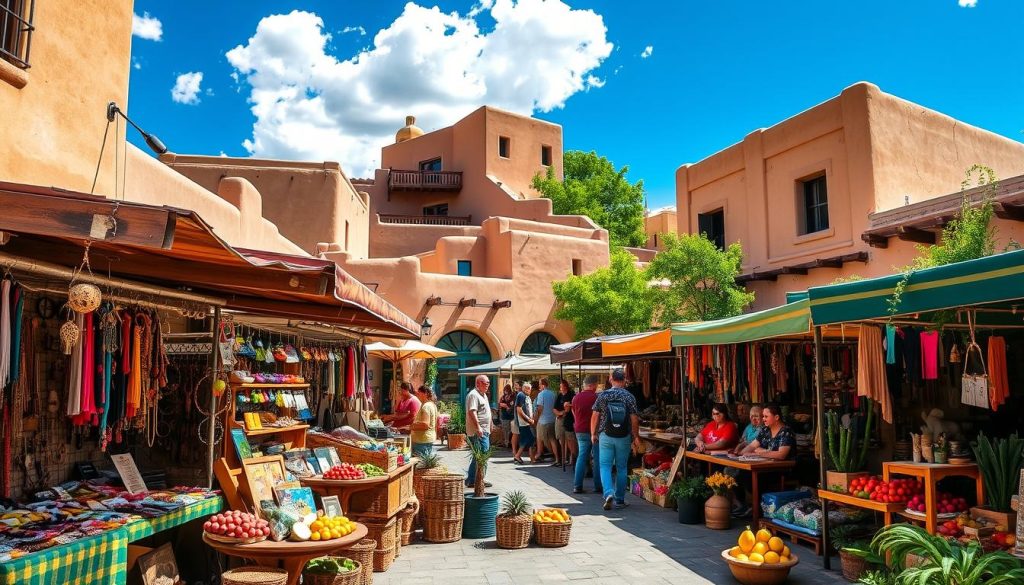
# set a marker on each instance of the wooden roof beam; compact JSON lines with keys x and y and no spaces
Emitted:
{"x":1010,"y":211}
{"x":875,"y":240}
{"x":911,"y":234}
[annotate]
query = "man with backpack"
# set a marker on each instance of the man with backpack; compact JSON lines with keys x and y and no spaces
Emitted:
{"x":615,"y":427}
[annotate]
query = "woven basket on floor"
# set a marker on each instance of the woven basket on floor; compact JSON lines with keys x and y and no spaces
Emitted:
{"x":417,"y":486}
{"x":353,"y":577}
{"x":513,"y":531}
{"x":254,"y":576}
{"x":398,"y":536}
{"x":448,"y":486}
{"x":444,"y":510}
{"x":362,"y":553}
{"x":552,"y":534}
{"x":382,"y":532}
{"x":382,"y":559}
{"x":439,"y":530}
{"x":406,"y":518}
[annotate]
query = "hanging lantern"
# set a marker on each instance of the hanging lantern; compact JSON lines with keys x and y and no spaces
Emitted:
{"x":69,"y":335}
{"x":84,"y":298}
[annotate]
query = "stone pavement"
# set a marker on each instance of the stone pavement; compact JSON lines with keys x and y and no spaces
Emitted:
{"x":641,"y":544}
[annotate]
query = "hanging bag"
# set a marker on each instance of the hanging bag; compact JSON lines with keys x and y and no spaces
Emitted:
{"x":974,"y":389}
{"x":227,"y":347}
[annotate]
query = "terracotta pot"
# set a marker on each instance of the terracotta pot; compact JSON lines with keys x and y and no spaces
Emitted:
{"x":456,"y":442}
{"x":752,"y":573}
{"x":717,"y":513}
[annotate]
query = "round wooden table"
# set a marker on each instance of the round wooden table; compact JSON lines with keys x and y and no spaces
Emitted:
{"x":344,"y":488}
{"x":289,"y":555}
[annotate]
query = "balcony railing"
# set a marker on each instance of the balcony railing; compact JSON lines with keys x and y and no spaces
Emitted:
{"x":425,"y":219}
{"x":425,"y":181}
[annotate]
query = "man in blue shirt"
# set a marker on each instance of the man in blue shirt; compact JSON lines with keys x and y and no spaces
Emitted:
{"x":615,"y":427}
{"x":545,"y":414}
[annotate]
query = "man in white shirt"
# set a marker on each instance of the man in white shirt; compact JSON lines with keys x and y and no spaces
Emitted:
{"x":478,"y":422}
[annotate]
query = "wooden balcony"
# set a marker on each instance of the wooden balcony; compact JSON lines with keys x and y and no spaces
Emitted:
{"x":449,"y":220}
{"x":425,"y":181}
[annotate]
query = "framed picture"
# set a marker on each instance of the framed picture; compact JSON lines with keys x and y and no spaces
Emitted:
{"x":298,"y":498}
{"x":332,"y":454}
{"x":159,"y":566}
{"x":332,"y":506}
{"x":323,"y":458}
{"x":261,"y":475}
{"x":313,"y":465}
{"x":241,"y":442}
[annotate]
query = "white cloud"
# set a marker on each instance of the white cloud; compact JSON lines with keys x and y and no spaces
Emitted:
{"x":438,"y":66}
{"x":147,"y":27}
{"x":968,"y":3}
{"x":647,"y":51}
{"x":136,"y":64}
{"x":186,"y":88}
{"x":354,"y":29}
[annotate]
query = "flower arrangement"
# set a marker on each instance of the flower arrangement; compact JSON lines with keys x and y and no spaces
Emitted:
{"x":720,"y":483}
{"x":661,"y":490}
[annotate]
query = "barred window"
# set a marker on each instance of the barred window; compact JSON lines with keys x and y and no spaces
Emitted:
{"x":16,"y":31}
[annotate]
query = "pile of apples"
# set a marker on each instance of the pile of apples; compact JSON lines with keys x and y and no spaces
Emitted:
{"x":892,"y":491}
{"x":945,"y":503}
{"x":236,"y":524}
{"x":760,"y":548}
{"x":344,"y":471}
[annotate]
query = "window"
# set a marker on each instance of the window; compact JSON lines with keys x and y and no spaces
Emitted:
{"x":504,"y":146}
{"x":433,"y":164}
{"x":815,"y":205}
{"x":16,"y":31}
{"x":545,"y":156}
{"x":577,"y":267}
{"x":440,"y":209}
{"x":465,"y":268}
{"x":712,"y":225}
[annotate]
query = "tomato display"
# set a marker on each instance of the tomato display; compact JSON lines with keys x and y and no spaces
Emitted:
{"x":344,"y":471}
{"x":236,"y":524}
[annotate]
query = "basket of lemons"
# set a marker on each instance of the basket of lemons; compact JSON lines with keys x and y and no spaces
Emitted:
{"x":760,"y":559}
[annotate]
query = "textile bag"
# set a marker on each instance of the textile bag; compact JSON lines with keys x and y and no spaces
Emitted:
{"x":974,"y":390}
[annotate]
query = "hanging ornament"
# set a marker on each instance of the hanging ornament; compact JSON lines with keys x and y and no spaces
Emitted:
{"x":84,"y":297}
{"x":954,"y":355}
{"x":69,"y":335}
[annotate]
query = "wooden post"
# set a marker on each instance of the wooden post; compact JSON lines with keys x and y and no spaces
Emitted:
{"x":819,"y":393}
{"x":682,"y":398}
{"x":211,"y":432}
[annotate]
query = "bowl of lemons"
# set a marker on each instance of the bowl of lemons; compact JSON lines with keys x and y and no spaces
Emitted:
{"x":760,"y":558}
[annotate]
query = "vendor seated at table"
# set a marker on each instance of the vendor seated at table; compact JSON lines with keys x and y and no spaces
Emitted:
{"x":752,"y":430}
{"x":719,"y":434}
{"x":405,"y":411}
{"x":776,"y":440}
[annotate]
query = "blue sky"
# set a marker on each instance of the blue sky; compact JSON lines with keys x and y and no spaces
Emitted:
{"x":715,"y":71}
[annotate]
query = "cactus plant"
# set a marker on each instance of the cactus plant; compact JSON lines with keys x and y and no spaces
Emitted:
{"x":843,"y":440}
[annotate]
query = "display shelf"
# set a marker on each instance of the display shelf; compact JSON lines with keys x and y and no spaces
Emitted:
{"x":272,"y":386}
{"x":847,"y":499}
{"x":931,"y":474}
{"x":275,"y":430}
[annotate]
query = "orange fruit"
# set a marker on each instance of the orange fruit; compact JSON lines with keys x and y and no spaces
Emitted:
{"x":763,"y":535}
{"x":785,"y":551}
{"x":735,"y":552}
{"x":775,"y":544}
{"x":760,"y":548}
{"x":755,"y":558}
{"x":742,"y":557}
{"x":746,"y":540}
{"x":771,"y":557}
{"x":314,"y":536}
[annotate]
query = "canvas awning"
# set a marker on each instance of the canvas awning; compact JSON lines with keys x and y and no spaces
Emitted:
{"x":174,"y":247}
{"x":527,"y":364}
{"x":993,"y":279}
{"x":785,"y":320}
{"x":607,"y":348}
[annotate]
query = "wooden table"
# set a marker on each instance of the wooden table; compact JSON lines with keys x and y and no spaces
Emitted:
{"x":754,"y":467}
{"x":346,"y":488}
{"x":288,"y":555}
{"x":931,"y":474}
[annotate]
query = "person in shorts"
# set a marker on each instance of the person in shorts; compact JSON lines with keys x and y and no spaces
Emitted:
{"x":564,"y":433}
{"x":544,"y":413}
{"x":525,"y":423}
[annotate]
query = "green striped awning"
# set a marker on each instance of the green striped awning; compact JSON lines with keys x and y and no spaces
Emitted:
{"x":993,"y":279}
{"x":785,"y":320}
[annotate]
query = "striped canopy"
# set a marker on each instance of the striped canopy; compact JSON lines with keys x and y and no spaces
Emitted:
{"x":792,"y":319}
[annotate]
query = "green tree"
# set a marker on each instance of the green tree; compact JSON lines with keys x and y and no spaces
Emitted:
{"x":592,"y":187}
{"x":698,"y":280}
{"x":611,"y":300}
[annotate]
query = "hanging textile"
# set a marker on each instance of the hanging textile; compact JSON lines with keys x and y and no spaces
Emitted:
{"x":87,"y":399}
{"x":5,"y":334}
{"x":134,"y":373}
{"x":929,"y":355}
{"x":998,"y":382}
{"x":890,"y":344}
{"x":871,"y":369}
{"x":19,"y":309}
{"x":75,"y":371}
{"x":350,"y":372}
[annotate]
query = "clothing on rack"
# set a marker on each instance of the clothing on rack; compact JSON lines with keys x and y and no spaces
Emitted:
{"x":871,"y":380}
{"x":930,"y":355}
{"x":998,"y":381}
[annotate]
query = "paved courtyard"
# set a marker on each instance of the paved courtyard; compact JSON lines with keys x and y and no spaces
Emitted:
{"x":641,"y":544}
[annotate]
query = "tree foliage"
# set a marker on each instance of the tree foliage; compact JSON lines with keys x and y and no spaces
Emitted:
{"x":608,"y":301}
{"x":699,"y":280}
{"x":592,"y":187}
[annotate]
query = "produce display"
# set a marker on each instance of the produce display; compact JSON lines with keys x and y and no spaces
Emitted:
{"x":236,"y":524}
{"x":551,"y":515}
{"x":345,"y":471}
{"x":760,"y":548}
{"x":330,"y":566}
{"x":329,"y":527}
{"x":892,"y":491}
{"x":945,"y":503}
{"x":371,"y":470}
{"x":966,"y":528}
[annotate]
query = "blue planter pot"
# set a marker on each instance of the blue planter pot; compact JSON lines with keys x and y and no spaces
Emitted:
{"x":479,"y":516}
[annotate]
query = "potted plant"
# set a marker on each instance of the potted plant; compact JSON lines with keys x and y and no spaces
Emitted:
{"x":940,"y":452}
{"x":690,"y":494}
{"x":515,"y":523}
{"x":456,"y":432}
{"x":846,"y":451}
{"x":1000,"y":461}
{"x":717,"y":508}
{"x":942,"y":561}
{"x":481,"y":507}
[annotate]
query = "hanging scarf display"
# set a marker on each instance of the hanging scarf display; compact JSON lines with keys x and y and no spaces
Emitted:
{"x":350,"y":372}
{"x":5,"y":334}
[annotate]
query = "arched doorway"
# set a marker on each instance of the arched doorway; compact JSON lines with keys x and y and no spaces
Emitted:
{"x":470,"y":350}
{"x":538,"y":342}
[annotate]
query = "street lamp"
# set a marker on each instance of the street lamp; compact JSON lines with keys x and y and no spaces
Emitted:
{"x":152,"y":142}
{"x":425,"y":327}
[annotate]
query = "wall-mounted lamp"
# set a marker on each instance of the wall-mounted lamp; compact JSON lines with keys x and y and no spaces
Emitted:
{"x":425,"y":327}
{"x":152,"y":142}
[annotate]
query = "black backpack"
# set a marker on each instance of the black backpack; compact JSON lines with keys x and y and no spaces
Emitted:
{"x":617,"y":423}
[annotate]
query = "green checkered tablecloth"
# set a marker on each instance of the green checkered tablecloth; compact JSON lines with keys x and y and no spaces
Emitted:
{"x":100,"y":559}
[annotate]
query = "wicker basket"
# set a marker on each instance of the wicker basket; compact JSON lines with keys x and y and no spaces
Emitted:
{"x":552,"y":534}
{"x":398,"y":536}
{"x":440,"y":530}
{"x":362,"y":553}
{"x":405,"y":519}
{"x":514,"y":531}
{"x":443,"y":510}
{"x":386,"y":460}
{"x":446,"y":487}
{"x":382,"y":559}
{"x":853,"y":565}
{"x":254,"y":576}
{"x":380,"y":531}
{"x":353,"y":577}
{"x":417,"y":486}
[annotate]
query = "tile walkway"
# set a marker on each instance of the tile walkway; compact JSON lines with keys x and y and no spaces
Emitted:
{"x":641,"y":544}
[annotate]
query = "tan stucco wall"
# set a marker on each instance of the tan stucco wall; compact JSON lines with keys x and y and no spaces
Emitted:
{"x":310,"y":203}
{"x":873,"y":148}
{"x":51,"y":129}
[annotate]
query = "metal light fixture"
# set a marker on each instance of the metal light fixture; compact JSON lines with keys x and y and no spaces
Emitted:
{"x":152,"y":141}
{"x":426,"y":326}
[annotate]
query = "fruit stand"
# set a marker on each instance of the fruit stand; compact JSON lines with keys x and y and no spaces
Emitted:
{"x":381,"y":496}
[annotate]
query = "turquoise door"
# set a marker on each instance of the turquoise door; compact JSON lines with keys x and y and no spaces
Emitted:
{"x":469,"y":350}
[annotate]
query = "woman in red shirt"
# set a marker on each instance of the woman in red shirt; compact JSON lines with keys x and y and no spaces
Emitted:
{"x":720,"y":433}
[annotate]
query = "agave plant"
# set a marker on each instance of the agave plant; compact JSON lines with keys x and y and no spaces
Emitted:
{"x":1000,"y":461}
{"x":430,"y":461}
{"x":944,"y":563}
{"x":481,"y":456}
{"x":515,"y":503}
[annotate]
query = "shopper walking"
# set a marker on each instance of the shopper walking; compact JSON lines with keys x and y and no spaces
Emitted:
{"x":525,"y":422}
{"x":564,"y":433}
{"x":424,"y":426}
{"x":506,"y":410}
{"x":478,"y":423}
{"x":582,"y":410}
{"x":615,"y":426}
{"x":545,"y":415}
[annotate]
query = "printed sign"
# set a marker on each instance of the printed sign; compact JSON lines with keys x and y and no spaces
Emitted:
{"x":129,"y":473}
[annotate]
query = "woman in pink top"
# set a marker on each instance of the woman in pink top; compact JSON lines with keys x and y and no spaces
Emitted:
{"x":406,"y":409}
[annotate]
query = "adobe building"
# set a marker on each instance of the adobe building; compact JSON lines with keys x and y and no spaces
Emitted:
{"x":845,"y":188}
